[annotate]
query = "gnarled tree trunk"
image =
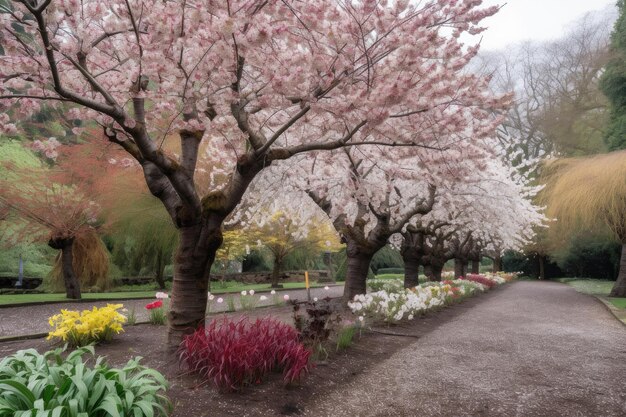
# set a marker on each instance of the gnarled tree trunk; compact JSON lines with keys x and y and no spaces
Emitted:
{"x":411,"y":271}
{"x":359,"y":259}
{"x":619,"y":288}
{"x":433,"y":271}
{"x":276,"y":272}
{"x":542,"y":267}
{"x":160,"y":270}
{"x":475,"y":267}
{"x":497,"y":264}
{"x":70,"y":280}
{"x":196,"y":252}
{"x":459,"y":268}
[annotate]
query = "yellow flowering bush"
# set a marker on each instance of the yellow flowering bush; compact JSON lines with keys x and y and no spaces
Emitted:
{"x":88,"y":326}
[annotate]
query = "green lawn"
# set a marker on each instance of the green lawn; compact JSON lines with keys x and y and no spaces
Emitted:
{"x":216,"y":287}
{"x":390,"y":276}
{"x":619,"y":302}
{"x":595,"y":287}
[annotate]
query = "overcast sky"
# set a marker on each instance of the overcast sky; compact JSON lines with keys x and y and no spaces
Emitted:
{"x":520,"y":20}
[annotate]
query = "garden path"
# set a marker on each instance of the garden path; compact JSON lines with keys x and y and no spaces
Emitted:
{"x":535,"y":349}
{"x":25,"y":320}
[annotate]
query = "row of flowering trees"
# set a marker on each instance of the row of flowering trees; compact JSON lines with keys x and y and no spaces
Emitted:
{"x":344,"y":93}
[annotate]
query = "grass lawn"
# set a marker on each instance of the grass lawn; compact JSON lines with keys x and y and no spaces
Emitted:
{"x":143,"y":292}
{"x":595,"y":287}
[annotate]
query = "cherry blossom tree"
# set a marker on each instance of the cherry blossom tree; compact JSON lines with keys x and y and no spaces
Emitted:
{"x":487,"y":211}
{"x":242,"y":83}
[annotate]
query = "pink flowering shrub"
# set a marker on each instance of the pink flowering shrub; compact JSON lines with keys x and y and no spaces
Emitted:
{"x":233,"y":354}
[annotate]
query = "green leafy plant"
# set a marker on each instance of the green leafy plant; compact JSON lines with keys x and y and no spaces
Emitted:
{"x":131,"y":318}
{"x":34,"y":384}
{"x":345,"y":336}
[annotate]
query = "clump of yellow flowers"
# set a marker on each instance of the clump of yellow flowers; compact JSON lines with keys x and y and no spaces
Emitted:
{"x":87,"y":326}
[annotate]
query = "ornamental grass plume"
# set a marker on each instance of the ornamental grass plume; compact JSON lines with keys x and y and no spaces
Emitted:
{"x":234,"y":353}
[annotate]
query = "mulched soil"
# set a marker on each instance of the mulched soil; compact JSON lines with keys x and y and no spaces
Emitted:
{"x":193,"y":397}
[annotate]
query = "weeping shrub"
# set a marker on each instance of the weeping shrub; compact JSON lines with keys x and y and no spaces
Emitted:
{"x":91,"y":263}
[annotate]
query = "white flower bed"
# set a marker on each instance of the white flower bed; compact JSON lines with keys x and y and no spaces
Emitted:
{"x":395,"y":306}
{"x":392,"y":302}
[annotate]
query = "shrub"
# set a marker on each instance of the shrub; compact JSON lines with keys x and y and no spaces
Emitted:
{"x":233,"y":354}
{"x":389,"y":285}
{"x":89,"y":326}
{"x":383,"y":271}
{"x":314,"y":328}
{"x":32,"y":384}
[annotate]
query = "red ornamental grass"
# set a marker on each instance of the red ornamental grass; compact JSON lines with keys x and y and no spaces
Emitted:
{"x":154,"y":304}
{"x":233,"y":354}
{"x":481,"y":280}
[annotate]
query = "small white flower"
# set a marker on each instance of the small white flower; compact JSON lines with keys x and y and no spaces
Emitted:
{"x":244,"y":292}
{"x":361,"y":318}
{"x":220,"y":300}
{"x":286,"y":297}
{"x":273,"y":292}
{"x":315,"y":299}
{"x":161,"y":295}
{"x":251,"y":292}
{"x":326,"y":288}
{"x":262,"y":298}
{"x":211,"y":297}
{"x":410,"y":317}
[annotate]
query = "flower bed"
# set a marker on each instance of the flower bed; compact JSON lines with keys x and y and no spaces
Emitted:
{"x":391,"y":302}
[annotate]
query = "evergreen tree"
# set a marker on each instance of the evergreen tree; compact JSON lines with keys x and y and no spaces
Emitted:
{"x":613,"y":83}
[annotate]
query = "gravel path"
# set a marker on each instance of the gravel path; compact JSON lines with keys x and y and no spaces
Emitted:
{"x":534,"y":349}
{"x":16,"y":321}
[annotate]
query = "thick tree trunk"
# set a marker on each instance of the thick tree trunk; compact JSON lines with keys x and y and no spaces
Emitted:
{"x":411,"y":271}
{"x":428,"y":272}
{"x":192,"y":265}
{"x":160,"y":269}
{"x":542,"y":267}
{"x":433,"y":272}
{"x":276,"y":273}
{"x":70,"y":280}
{"x":459,"y":268}
{"x":356,"y":274}
{"x":475,"y":267}
{"x":497,"y":264}
{"x":72,"y":286}
{"x":619,"y":289}
{"x":437,"y":270}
